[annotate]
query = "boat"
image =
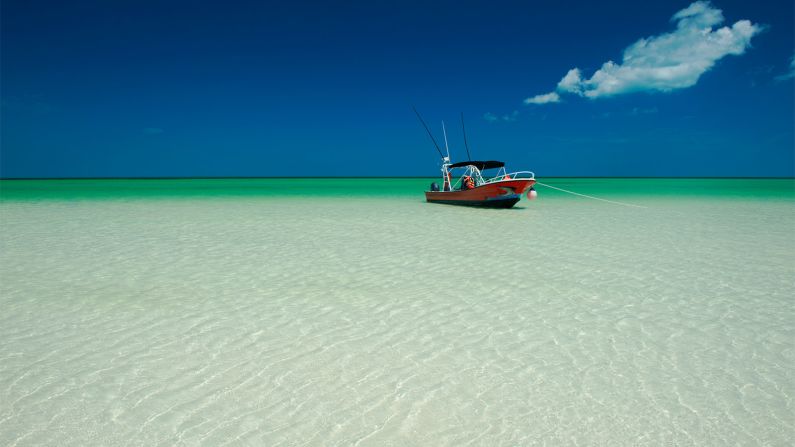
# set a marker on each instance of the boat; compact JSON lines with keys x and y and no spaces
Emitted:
{"x":471,"y":187}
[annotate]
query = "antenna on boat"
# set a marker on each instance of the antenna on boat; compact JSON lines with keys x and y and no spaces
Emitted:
{"x":429,"y":131}
{"x":465,"y":136}
{"x":445,"y":141}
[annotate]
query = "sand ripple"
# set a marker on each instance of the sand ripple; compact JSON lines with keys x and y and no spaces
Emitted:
{"x":246,"y":321}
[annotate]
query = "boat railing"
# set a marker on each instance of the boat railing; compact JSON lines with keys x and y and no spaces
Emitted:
{"x":501,"y":176}
{"x":512,"y":176}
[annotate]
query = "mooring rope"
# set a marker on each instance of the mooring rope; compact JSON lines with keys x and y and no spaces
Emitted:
{"x":589,"y":197}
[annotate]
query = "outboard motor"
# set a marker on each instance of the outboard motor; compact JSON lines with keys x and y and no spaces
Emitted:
{"x":434,"y":186}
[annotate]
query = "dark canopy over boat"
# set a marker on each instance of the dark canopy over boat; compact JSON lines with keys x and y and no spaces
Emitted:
{"x":481,"y":165}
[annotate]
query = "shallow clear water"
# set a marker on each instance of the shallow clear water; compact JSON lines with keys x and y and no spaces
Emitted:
{"x":261,"y":312}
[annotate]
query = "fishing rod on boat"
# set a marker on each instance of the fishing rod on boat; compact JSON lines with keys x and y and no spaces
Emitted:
{"x":469,"y":157}
{"x":429,"y":132}
{"x":447,"y":148}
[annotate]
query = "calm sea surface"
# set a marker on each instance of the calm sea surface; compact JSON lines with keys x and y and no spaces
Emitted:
{"x":350,"y":312}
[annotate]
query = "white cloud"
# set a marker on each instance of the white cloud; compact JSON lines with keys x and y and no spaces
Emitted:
{"x":791,"y":73}
{"x":543,"y":99}
{"x":699,"y":14}
{"x":490,"y":117}
{"x":572,"y":82}
{"x":667,"y":61}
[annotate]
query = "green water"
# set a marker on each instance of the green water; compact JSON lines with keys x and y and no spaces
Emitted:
{"x":368,"y":187}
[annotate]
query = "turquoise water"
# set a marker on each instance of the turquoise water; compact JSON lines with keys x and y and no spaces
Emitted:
{"x":351,"y":312}
{"x":356,"y":187}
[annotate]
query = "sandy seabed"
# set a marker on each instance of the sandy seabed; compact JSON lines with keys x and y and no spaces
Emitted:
{"x":389,"y":321}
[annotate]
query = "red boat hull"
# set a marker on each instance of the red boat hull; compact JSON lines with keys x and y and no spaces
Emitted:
{"x":501,"y":194}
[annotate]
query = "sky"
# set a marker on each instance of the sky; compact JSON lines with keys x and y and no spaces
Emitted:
{"x":250,"y":89}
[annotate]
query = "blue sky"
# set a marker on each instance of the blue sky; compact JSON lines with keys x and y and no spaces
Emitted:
{"x":169,"y":88}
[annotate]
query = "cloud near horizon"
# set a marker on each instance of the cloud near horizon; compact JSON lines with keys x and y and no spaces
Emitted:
{"x":664,"y":62}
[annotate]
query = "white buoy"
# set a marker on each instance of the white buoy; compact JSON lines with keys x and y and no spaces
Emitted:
{"x":532,"y":194}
